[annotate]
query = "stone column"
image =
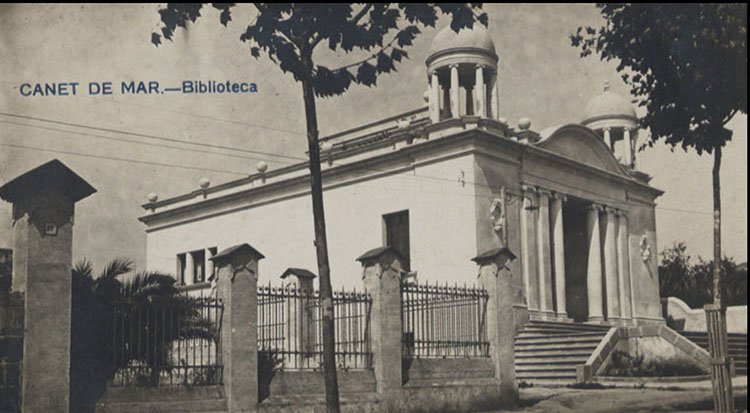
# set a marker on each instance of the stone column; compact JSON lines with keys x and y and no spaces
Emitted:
{"x":481,"y":91}
{"x":381,"y":273}
{"x":300,"y":317}
{"x":558,"y":244}
{"x":237,"y":287}
{"x":43,"y":207}
{"x":594,"y":273}
{"x":607,"y":138}
{"x":495,"y":99}
{"x":628,"y":147}
{"x":544,"y":255}
{"x":623,"y":264}
{"x":610,"y":265}
{"x":455,"y":96}
{"x":189,"y":269}
{"x":528,"y":248}
{"x":434,"y":97}
{"x":469,"y":107}
{"x":495,"y":277}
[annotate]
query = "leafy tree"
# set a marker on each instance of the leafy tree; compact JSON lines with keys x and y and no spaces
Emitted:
{"x":94,"y":300}
{"x":690,"y":278}
{"x":289,"y":34}
{"x":687,"y":65}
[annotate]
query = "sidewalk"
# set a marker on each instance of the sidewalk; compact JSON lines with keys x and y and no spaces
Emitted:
{"x":628,"y":397}
{"x":738,"y":383}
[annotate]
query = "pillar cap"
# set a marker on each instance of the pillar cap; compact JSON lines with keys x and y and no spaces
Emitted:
{"x":494,"y":253}
{"x":376,"y":253}
{"x":230,"y":252}
{"x":53,"y":175}
{"x":299,"y":272}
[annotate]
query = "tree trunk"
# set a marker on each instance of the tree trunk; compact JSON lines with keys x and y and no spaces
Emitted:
{"x":717,"y":285}
{"x":321,"y":248}
{"x":716,"y":312}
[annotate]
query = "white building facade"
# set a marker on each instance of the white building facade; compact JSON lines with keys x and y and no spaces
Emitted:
{"x":443,"y":184}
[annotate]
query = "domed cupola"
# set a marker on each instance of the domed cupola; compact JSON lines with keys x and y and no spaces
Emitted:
{"x":614,"y":119}
{"x":462,"y":71}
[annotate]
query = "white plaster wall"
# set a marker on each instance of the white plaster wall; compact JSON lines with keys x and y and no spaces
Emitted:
{"x":645,"y":274}
{"x":695,"y":318}
{"x":441,"y":214}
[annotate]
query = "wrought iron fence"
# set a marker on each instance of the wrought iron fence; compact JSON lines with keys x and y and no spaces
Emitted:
{"x":444,"y":321}
{"x":11,"y":349}
{"x":172,"y":341}
{"x":290,"y":326}
{"x":11,"y":315}
{"x":10,"y":386}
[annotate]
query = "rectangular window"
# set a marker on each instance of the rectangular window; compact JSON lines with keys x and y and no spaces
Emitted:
{"x":199,"y":273}
{"x":396,"y":235}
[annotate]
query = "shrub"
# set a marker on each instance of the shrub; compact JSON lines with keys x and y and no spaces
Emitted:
{"x":625,"y":365}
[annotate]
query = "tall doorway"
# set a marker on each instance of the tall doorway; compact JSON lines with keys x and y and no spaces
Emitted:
{"x":576,"y":258}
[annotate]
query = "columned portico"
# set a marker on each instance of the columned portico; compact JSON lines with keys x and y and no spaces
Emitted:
{"x":603,"y":273}
{"x":594,"y":271}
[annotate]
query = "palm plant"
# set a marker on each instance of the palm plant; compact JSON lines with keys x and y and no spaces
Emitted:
{"x":147,"y":305}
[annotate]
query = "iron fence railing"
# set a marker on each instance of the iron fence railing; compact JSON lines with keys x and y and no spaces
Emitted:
{"x":11,"y":315}
{"x":11,"y":349}
{"x":444,"y":321}
{"x":173,"y":341}
{"x":10,"y":386}
{"x":290,"y":327}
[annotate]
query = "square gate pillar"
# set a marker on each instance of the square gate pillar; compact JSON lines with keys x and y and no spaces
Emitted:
{"x":43,"y":204}
{"x":237,"y":287}
{"x":495,"y":277}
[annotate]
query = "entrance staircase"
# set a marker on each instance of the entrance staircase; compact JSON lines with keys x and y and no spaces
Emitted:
{"x":550,"y":351}
{"x":737,"y":347}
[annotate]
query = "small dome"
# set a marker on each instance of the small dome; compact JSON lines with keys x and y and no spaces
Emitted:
{"x":478,"y":37}
{"x":608,"y":105}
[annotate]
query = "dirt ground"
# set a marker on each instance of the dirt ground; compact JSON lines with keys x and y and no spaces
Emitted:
{"x":621,"y":400}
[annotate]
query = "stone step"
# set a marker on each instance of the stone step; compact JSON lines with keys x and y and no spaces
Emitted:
{"x":572,"y":326}
{"x":542,"y":334}
{"x":563,"y":352}
{"x":564,"y":340}
{"x":554,"y":375}
{"x":563,"y":330}
{"x":551,"y":360}
{"x":557,"y":347}
{"x":561,"y":368}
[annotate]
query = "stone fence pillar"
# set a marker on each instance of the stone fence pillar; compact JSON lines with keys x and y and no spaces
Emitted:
{"x":237,"y":287}
{"x":495,"y":277}
{"x":43,"y":204}
{"x":300,"y":317}
{"x":382,"y":280}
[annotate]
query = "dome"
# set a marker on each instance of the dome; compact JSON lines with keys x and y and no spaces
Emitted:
{"x":478,"y":37}
{"x":608,"y":105}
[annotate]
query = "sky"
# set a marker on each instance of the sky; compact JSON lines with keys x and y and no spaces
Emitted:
{"x":541,"y":77}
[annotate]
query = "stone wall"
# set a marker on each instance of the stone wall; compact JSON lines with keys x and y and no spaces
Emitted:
{"x":694,"y":319}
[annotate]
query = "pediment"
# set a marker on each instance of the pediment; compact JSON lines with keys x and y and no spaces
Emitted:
{"x":580,"y":144}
